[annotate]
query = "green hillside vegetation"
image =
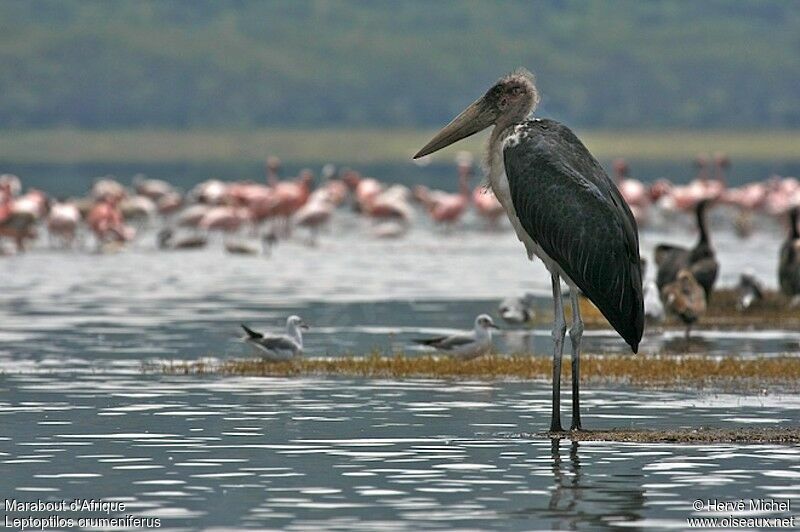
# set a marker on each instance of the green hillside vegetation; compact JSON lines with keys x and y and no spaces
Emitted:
{"x":360,"y":146}
{"x":301,"y":63}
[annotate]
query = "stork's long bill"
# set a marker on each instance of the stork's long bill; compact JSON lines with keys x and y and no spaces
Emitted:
{"x":475,"y":118}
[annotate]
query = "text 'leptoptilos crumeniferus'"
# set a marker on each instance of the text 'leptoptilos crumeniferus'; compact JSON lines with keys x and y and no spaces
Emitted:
{"x":566,"y":211}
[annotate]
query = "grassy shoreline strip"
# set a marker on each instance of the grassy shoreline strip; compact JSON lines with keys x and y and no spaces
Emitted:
{"x":356,"y":146}
{"x":702,"y":435}
{"x":774,"y":311}
{"x":656,"y":371}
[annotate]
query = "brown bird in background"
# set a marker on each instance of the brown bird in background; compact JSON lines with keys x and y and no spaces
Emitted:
{"x":685,"y":298}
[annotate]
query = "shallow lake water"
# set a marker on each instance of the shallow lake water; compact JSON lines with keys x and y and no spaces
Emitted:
{"x":353,"y":454}
{"x":81,"y":420}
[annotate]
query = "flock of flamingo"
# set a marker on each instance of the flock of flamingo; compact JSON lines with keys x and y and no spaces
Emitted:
{"x":111,"y":212}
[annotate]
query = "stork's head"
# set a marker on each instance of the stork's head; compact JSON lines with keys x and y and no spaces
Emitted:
{"x":509,"y":101}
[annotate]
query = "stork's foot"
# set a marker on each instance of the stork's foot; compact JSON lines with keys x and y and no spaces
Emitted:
{"x":576,"y":420}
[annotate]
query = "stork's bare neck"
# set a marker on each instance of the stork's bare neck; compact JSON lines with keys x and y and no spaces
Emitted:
{"x":493,"y":159}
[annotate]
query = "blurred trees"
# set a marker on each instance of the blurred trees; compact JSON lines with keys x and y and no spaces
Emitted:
{"x":242,"y":64}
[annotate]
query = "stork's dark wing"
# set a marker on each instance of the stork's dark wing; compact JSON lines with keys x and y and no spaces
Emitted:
{"x":574,"y":212}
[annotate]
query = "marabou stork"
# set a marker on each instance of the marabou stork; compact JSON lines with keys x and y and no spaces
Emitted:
{"x":564,"y":209}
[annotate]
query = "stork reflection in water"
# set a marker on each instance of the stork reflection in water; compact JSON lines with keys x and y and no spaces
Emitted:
{"x":564,"y":209}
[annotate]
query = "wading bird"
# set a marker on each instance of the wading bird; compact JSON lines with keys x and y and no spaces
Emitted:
{"x":166,"y":239}
{"x":564,"y":209}
{"x":517,"y":310}
{"x":466,"y":345}
{"x":685,"y":299}
{"x":277,"y":347}
{"x":789,"y":262}
{"x":653,"y":307}
{"x":700,"y":260}
{"x":749,"y":291}
{"x":62,"y":222}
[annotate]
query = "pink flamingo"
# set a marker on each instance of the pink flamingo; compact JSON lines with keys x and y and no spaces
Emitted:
{"x":365,"y":189}
{"x":390,"y":204}
{"x":191,"y":216}
{"x":686,"y":197}
{"x":169,"y":203}
{"x":707,"y":187}
{"x":633,"y":191}
{"x":260,"y":199}
{"x":273,"y":170}
{"x":107,"y":223}
{"x":749,"y":197}
{"x":389,"y":207}
{"x":224,"y":218}
{"x":5,"y":201}
{"x":335,"y":190}
{"x":18,"y":216}
{"x":137,"y":207}
{"x":661,"y":188}
{"x":211,"y":192}
{"x":166,"y":199}
{"x":314,"y":215}
{"x":10,"y":185}
{"x":782,"y":195}
{"x":378,"y":203}
{"x":5,"y":208}
{"x":290,"y":196}
{"x":486,"y":205}
{"x":445,"y":208}
{"x":715,"y":188}
{"x":154,"y":189}
{"x":63,"y":220}
{"x":108,"y":187}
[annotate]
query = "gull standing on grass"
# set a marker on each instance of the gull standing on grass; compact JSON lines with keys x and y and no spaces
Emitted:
{"x":278,"y":347}
{"x":518,"y":310}
{"x":468,"y":344}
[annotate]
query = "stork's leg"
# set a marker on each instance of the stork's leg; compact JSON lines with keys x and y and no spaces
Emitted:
{"x":559,"y":331}
{"x":575,"y":335}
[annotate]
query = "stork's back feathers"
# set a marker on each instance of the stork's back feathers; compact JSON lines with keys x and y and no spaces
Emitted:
{"x":574,"y":212}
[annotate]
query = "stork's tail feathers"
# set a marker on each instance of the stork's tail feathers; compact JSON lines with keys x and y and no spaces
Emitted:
{"x":251,"y":333}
